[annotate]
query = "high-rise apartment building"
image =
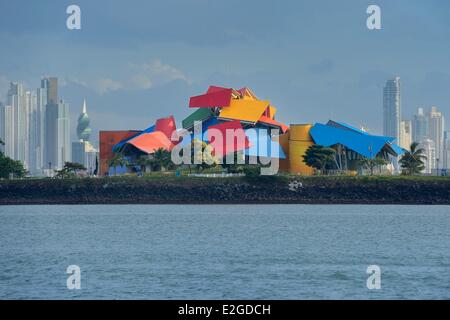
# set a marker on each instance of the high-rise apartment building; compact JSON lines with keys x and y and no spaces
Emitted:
{"x":82,"y":150}
{"x":17,"y":99}
{"x":436,"y":129}
{"x":446,"y":162}
{"x":392,"y":108}
{"x":430,"y":153}
{"x":420,"y":126}
{"x":405,"y":134}
{"x":7,"y":129}
{"x":57,"y":137}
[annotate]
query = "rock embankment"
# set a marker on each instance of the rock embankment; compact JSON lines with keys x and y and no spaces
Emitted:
{"x":288,"y":190}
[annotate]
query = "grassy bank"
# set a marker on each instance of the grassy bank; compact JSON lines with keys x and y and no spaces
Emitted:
{"x":200,"y":190}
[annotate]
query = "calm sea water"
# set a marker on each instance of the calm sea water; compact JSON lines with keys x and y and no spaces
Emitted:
{"x":225,"y":252}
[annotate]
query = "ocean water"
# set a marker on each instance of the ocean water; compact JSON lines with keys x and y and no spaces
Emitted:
{"x":225,"y":252}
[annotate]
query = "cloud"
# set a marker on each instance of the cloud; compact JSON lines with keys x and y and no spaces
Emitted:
{"x":160,"y":73}
{"x":63,"y":82}
{"x":135,"y":77}
{"x":105,"y":85}
{"x":141,"y":81}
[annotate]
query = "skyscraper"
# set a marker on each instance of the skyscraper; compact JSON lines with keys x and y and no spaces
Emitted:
{"x":392,"y":108}
{"x":430,"y":153}
{"x":83,"y":129}
{"x":405,"y":134}
{"x":57,"y":135}
{"x":31,"y":154}
{"x":57,"y":126}
{"x":17,"y":99}
{"x":436,"y":133}
{"x":420,"y":126}
{"x":63,"y":148}
{"x":41,"y":104}
{"x":51,"y":84}
{"x":82,"y":151}
{"x":7,"y":129}
{"x":446,"y":162}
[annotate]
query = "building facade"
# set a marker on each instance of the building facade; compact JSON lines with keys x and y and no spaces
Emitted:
{"x":392,"y":108}
{"x":405,"y":134}
{"x":83,"y":152}
{"x":18,"y":101}
{"x":419,"y":126}
{"x":7,"y":129}
{"x":429,"y":147}
{"x":446,"y":162}
{"x":436,"y":133}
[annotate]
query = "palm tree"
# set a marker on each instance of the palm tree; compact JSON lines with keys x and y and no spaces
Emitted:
{"x":412,"y":162}
{"x":144,"y":161}
{"x":161,"y":157}
{"x":117,"y":161}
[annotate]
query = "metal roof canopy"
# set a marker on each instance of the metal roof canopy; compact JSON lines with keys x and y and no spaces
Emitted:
{"x":359,"y":141}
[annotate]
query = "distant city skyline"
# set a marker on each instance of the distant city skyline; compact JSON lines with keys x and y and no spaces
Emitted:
{"x":316,"y":60}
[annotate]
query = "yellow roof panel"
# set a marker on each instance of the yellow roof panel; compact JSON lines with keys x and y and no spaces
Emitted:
{"x":244,"y":110}
{"x":273,"y":110}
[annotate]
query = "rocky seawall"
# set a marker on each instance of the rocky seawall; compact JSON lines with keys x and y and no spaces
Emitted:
{"x":267,"y":190}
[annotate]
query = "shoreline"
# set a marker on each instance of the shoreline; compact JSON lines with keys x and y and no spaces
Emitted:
{"x":238,"y":190}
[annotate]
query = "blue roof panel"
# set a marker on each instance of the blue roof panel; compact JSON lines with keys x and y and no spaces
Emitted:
{"x":365,"y":144}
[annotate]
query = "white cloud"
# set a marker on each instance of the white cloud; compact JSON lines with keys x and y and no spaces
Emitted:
{"x":139,"y":77}
{"x":142,"y":82}
{"x":66,"y":81}
{"x":105,"y":85}
{"x":161,"y":73}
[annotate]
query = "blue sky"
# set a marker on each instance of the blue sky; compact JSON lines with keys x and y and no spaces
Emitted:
{"x":135,"y":61}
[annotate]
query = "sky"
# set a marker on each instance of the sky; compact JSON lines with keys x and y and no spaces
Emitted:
{"x":138,"y":60}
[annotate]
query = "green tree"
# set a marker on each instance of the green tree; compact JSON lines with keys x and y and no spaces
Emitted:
{"x":69,"y":170}
{"x":10,"y":167}
{"x":117,"y":161}
{"x":412,"y":162}
{"x":144,"y":161}
{"x":319,"y":157}
{"x":371,"y":164}
{"x":201,"y":155}
{"x":161,"y":158}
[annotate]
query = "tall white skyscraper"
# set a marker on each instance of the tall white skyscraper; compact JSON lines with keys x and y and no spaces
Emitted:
{"x":31,"y":156}
{"x":63,"y":146}
{"x":57,"y":140}
{"x":446,"y":162}
{"x":392,"y":108}
{"x":405,"y":134}
{"x":436,"y":129}
{"x":17,"y":99}
{"x":430,"y":152}
{"x":41,"y":104}
{"x":420,"y":126}
{"x":7,"y":129}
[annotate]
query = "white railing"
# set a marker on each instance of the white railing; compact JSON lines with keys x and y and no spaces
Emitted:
{"x":216,"y":175}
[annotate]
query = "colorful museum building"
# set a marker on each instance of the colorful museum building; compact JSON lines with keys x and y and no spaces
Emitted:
{"x":256,"y":133}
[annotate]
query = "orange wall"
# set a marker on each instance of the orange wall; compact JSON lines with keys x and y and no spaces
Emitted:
{"x":299,"y":141}
{"x":107,"y":140}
